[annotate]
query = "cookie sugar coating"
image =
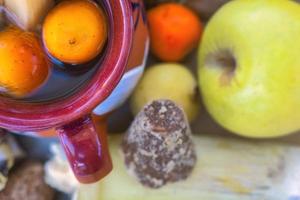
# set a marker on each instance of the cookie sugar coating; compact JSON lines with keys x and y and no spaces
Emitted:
{"x":158,"y":147}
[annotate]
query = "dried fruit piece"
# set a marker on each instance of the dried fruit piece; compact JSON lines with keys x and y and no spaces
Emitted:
{"x":27,"y":182}
{"x":28,"y":13}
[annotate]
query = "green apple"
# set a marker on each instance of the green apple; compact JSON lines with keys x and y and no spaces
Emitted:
{"x":167,"y":81}
{"x":249,"y":67}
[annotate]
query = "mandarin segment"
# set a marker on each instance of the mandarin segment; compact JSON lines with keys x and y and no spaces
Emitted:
{"x":75,"y":31}
{"x":23,"y":65}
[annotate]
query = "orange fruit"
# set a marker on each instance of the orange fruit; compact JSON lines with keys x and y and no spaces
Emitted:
{"x":75,"y":31}
{"x":175,"y":31}
{"x":23,"y":65}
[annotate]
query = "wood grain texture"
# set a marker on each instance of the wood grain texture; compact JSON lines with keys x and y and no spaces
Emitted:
{"x":227,"y":169}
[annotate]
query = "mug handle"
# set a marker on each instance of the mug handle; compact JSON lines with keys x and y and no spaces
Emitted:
{"x":86,"y":148}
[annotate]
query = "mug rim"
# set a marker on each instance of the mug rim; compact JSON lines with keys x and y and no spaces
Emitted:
{"x":24,"y":116}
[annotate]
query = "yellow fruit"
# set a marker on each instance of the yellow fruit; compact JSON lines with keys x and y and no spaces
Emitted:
{"x":167,"y":81}
{"x":249,"y":67}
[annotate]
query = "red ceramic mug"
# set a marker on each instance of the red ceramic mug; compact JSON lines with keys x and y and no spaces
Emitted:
{"x":84,"y":143}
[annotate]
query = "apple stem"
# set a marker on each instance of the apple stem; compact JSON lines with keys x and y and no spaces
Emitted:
{"x":225,"y":61}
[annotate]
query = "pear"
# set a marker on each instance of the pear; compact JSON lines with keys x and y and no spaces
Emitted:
{"x":249,"y":66}
{"x":167,"y":81}
{"x":28,"y":13}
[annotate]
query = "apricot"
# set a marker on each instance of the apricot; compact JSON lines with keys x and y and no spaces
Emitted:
{"x":23,"y":65}
{"x":75,"y":31}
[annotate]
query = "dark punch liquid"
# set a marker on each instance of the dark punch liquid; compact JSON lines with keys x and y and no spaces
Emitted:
{"x":64,"y":80}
